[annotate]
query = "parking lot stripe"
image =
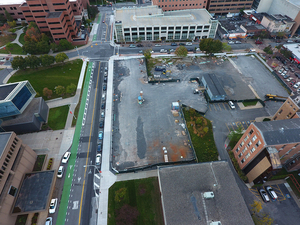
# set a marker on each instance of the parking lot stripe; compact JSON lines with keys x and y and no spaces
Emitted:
{"x":227,"y":127}
{"x":281,"y":196}
{"x":256,"y":194}
{"x":219,"y":107}
{"x":209,"y":106}
{"x":215,"y":107}
{"x":224,"y":106}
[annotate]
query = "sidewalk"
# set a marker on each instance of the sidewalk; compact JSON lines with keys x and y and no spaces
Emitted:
{"x":18,"y":32}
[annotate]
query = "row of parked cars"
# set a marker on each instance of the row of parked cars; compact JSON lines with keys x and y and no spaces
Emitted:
{"x":159,"y":45}
{"x":265,"y":193}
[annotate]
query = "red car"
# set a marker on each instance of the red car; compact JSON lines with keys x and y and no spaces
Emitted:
{"x":258,"y":42}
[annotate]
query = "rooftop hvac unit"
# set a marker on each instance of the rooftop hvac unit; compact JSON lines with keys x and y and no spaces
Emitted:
{"x":208,"y":195}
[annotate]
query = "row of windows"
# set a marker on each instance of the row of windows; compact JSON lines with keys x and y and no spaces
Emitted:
{"x":178,"y":28}
{"x":7,"y":158}
{"x":11,"y":8}
{"x":162,"y":6}
{"x":176,"y":1}
{"x":215,"y":1}
{"x":242,"y":4}
{"x":227,"y":9}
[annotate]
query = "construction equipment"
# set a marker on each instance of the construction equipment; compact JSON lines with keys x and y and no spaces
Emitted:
{"x":270,"y":96}
{"x":140,"y":98}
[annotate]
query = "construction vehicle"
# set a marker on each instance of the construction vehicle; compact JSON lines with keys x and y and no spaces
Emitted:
{"x":270,"y":96}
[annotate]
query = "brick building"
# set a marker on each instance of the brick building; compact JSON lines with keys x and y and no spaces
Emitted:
{"x":171,"y":5}
{"x":267,"y":146}
{"x":60,"y":18}
{"x":16,"y":159}
{"x":221,"y":7}
{"x":290,"y":109}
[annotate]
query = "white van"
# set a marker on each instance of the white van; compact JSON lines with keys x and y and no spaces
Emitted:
{"x":98,"y":158}
{"x":103,"y":97}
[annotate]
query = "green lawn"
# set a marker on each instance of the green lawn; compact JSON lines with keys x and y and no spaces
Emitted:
{"x":201,"y":133}
{"x":21,"y":39}
{"x":39,"y":163}
{"x":250,"y":103}
{"x":135,"y":202}
{"x":16,"y":49}
{"x":58,"y":117}
{"x":50,"y":77}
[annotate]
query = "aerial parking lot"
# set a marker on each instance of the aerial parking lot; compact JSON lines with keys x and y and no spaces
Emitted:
{"x":141,"y":131}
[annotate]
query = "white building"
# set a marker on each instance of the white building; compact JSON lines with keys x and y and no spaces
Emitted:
{"x":151,"y":23}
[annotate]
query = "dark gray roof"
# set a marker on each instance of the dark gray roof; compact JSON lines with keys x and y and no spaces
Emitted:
{"x":34,"y":192}
{"x":53,"y":14}
{"x":280,"y":131}
{"x":259,"y":16}
{"x":182,"y":189}
{"x":6,"y":89}
{"x":214,"y":84}
{"x":4,"y":137}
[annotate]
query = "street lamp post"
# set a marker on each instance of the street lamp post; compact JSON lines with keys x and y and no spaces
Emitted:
{"x":99,"y":181}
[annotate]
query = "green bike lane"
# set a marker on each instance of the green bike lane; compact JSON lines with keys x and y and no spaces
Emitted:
{"x":69,"y":172}
{"x":98,"y":22}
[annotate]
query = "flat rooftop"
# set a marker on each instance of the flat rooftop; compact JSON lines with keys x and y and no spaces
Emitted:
{"x":183,"y":188}
{"x":34,"y":192}
{"x":11,"y":2}
{"x":295,"y":2}
{"x":53,"y":14}
{"x":6,"y":89}
{"x":294,"y":48}
{"x":4,"y":137}
{"x":152,"y":15}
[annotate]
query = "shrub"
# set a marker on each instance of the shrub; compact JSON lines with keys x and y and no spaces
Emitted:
{"x":50,"y":162}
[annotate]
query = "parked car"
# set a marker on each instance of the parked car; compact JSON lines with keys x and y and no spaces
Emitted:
{"x":101,"y":124}
{"x":264,"y":195}
{"x":296,"y":85}
{"x":297,"y":75}
{"x":292,"y":82}
{"x":60,"y":172}
{"x":141,"y":51}
{"x":53,"y":205}
{"x":157,"y":45}
{"x":48,"y":221}
{"x":286,"y":68}
{"x":232,"y":106}
{"x":291,"y":69}
{"x":172,"y":50}
{"x":132,"y":46}
{"x":278,"y":58}
{"x":289,"y":79}
{"x":102,"y":114}
{"x":140,"y":45}
{"x":98,"y":159}
{"x":286,"y":76}
{"x":100,"y":135}
{"x":99,"y":147}
{"x":189,"y":43}
{"x":231,"y":42}
{"x":280,"y":71}
{"x":271,"y":192}
{"x":238,"y":42}
{"x":103,"y":106}
{"x":105,"y":79}
{"x":289,"y":41}
{"x":182,"y":44}
{"x":190,"y":49}
{"x":66,"y":157}
{"x":160,"y":68}
{"x":163,"y":50}
{"x":104,"y":87}
{"x":103,"y":21}
{"x":173,"y":44}
{"x":258,"y":42}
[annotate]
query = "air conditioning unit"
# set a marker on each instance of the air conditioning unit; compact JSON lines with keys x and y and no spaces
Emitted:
{"x":215,"y":223}
{"x":208,"y":195}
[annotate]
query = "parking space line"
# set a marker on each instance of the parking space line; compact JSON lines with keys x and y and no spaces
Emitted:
{"x":224,"y":106}
{"x":252,"y":121}
{"x":238,"y":124}
{"x":227,"y":127}
{"x":232,"y":125}
{"x":209,"y":107}
{"x":256,"y":194}
{"x":219,"y":106}
{"x":281,"y":196}
{"x":215,"y":107}
{"x":244,"y":124}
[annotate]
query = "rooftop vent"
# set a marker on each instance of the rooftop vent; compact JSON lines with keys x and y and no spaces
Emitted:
{"x":215,"y":223}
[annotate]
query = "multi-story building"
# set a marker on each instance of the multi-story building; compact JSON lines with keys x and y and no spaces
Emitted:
{"x":221,"y":7}
{"x":54,"y":16}
{"x":290,"y":109}
{"x":283,"y":7}
{"x":277,"y":23}
{"x":151,"y":23}
{"x":267,"y":146}
{"x":166,"y":5}
{"x":16,"y":159}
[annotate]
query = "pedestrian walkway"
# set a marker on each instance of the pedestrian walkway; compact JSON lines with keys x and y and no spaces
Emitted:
{"x":18,"y":32}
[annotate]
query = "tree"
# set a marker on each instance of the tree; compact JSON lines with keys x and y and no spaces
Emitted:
{"x":210,"y":45}
{"x":30,"y":47}
{"x":61,"y":57}
{"x":59,"y":90}
{"x":18,"y":63}
{"x":33,"y":61}
{"x":2,"y":19}
{"x":280,"y":35}
{"x":42,"y":47}
{"x":23,"y":24}
{"x":8,"y":16}
{"x":64,"y":45}
{"x":32,"y":34}
{"x":12,"y":24}
{"x":71,"y":88}
{"x":47,"y":60}
{"x":92,"y":11}
{"x":288,"y":54}
{"x":147,"y":53}
{"x":268,"y":50}
{"x":47,"y":92}
{"x":264,"y":34}
{"x":181,"y":51}
{"x":226,"y":47}
{"x":54,"y":47}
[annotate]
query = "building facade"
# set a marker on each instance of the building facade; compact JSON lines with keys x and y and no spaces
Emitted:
{"x":277,"y":23}
{"x":171,"y":5}
{"x":221,"y":7}
{"x":289,"y":109}
{"x":152,"y":24}
{"x":13,"y":8}
{"x":16,"y":159}
{"x":267,"y":146}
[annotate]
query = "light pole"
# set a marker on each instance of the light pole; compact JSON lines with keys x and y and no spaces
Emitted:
{"x":99,"y":181}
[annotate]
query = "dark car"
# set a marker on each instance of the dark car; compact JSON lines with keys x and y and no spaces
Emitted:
{"x":278,"y":58}
{"x":99,"y":147}
{"x":104,"y":87}
{"x":182,"y":44}
{"x":139,"y":45}
{"x":101,"y":124}
{"x":284,"y":62}
{"x":278,"y":41}
{"x":103,"y":106}
{"x":297,"y":75}
{"x":190,"y":50}
{"x":258,"y":42}
{"x":173,"y":44}
{"x":160,"y":68}
{"x":105,"y":79}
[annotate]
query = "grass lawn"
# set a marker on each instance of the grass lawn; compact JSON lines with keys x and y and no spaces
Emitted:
{"x":21,"y":39}
{"x":50,"y":77}
{"x":16,"y":49}
{"x":251,"y":103}
{"x":6,"y":39}
{"x":135,"y":202}
{"x":58,"y":117}
{"x":201,"y":133}
{"x":39,"y":163}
